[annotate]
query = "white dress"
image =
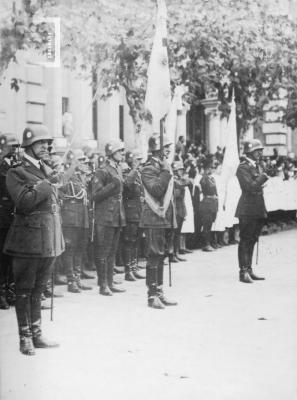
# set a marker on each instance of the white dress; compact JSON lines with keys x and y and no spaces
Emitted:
{"x":188,"y":224}
{"x":233,"y":194}
{"x":220,"y":222}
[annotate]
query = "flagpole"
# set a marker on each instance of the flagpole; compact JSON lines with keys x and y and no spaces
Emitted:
{"x":162,"y":126}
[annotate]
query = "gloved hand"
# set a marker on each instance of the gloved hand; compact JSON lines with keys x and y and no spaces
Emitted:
{"x":165,"y":165}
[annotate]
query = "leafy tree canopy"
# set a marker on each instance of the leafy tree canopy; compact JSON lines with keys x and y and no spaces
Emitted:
{"x":213,"y":45}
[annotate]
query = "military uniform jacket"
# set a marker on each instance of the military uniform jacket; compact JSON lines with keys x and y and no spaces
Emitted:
{"x":179,"y":196}
{"x":251,"y":203}
{"x":6,"y":203}
{"x":74,"y":208}
{"x":132,"y":195}
{"x":107,"y":189}
{"x":36,"y":229}
{"x":156,"y":181}
{"x":209,"y":204}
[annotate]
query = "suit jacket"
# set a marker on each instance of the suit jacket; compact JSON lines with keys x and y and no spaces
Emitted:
{"x":132,"y":195}
{"x":36,"y":229}
{"x":107,"y":190}
{"x":251,"y":203}
{"x":156,"y":180}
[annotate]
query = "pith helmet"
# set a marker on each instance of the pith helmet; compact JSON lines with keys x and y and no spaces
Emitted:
{"x":154,"y":142}
{"x":252,"y":145}
{"x":113,"y":146}
{"x":34,"y":134}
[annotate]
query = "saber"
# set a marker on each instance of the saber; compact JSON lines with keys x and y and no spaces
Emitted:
{"x":170,"y":273}
{"x":257,"y":252}
{"x":52,"y":299}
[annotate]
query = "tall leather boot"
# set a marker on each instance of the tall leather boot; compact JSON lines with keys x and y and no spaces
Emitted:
{"x":3,"y":302}
{"x":22,"y":309}
{"x":244,"y":260}
{"x":160,"y":292}
{"x":38,"y":340}
{"x":58,"y":276}
{"x":109,"y":267}
{"x":134,"y":263}
{"x":254,"y":276}
{"x":127,"y":256}
{"x":220,"y":237}
{"x":79,"y":283}
{"x":102,"y":277}
{"x":182,"y":245}
{"x":151,"y":282}
{"x":67,"y":259}
{"x":244,"y":276}
{"x":79,"y":260}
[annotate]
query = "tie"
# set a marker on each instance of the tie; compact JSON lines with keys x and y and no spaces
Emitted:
{"x":42,"y":169}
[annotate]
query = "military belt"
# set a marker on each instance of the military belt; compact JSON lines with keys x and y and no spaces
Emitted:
{"x":53,"y":210}
{"x":73,"y":201}
{"x":211,"y":197}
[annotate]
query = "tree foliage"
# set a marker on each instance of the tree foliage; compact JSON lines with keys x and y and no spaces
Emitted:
{"x":213,"y":45}
{"x":19,"y":31}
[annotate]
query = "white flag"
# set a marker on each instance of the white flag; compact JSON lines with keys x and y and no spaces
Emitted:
{"x":231,"y":158}
{"x":158,"y":94}
{"x":171,"y":119}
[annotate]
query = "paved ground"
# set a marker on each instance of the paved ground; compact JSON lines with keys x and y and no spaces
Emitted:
{"x":225,"y":341}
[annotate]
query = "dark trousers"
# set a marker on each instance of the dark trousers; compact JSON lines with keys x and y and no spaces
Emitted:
{"x":207,"y":219}
{"x":159,"y":244}
{"x":76,"y":240}
{"x":31,"y":274}
{"x":130,"y":243}
{"x":106,"y":244}
{"x":177,"y":233}
{"x":249,"y":231}
{"x":6,"y":276}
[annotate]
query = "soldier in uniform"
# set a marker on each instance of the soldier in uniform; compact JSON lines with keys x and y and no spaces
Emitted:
{"x":8,"y":154}
{"x":209,"y":204}
{"x":35,"y":237}
{"x":251,"y":210}
{"x":180,"y":183}
{"x":132,"y":197}
{"x":75,"y":221}
{"x":109,"y":215}
{"x":158,"y":218}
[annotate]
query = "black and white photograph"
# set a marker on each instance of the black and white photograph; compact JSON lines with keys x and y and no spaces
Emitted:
{"x":148,"y":199}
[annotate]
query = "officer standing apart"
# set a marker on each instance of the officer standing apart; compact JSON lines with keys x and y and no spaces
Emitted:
{"x":158,"y":218}
{"x":35,"y":238}
{"x":251,"y":209}
{"x":109,"y":215}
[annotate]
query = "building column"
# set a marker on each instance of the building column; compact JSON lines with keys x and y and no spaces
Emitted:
{"x":213,"y":124}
